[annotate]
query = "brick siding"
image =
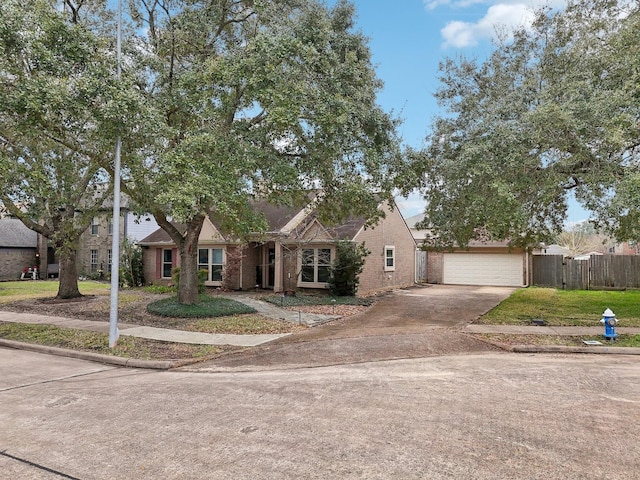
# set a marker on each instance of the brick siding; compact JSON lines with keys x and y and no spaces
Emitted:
{"x":391,"y":231}
{"x":13,"y":260}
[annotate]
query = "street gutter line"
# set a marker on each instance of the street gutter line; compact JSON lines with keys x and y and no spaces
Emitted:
{"x":52,"y":380}
{"x":37,"y":465}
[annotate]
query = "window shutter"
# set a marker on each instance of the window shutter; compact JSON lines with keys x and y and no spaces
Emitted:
{"x":158,"y":263}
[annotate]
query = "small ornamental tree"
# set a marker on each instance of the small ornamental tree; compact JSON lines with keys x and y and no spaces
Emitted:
{"x":347,"y":267}
{"x":232,"y":268}
{"x":132,"y":272}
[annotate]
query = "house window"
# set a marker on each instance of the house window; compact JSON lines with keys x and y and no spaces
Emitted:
{"x":95,"y":225}
{"x":167,"y":263}
{"x":316,"y":265}
{"x":109,"y":260}
{"x":110,"y":227}
{"x":389,"y":258}
{"x":211,"y":260}
{"x":94,"y":261}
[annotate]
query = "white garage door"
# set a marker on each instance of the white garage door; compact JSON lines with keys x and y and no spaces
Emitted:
{"x":500,"y":269}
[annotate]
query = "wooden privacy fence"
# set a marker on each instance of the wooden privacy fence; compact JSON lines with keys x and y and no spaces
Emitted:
{"x":599,"y":272}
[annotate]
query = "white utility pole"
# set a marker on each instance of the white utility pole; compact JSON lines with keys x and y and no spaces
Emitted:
{"x":115,"y":240}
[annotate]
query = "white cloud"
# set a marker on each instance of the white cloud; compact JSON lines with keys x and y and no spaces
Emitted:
{"x":431,"y":4}
{"x":501,"y":16}
{"x":460,"y":34}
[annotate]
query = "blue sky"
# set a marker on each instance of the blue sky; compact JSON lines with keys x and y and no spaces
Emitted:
{"x":408,"y":39}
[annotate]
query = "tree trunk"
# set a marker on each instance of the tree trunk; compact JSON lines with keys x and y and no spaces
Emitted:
{"x":188,"y":284}
{"x":68,"y":287}
{"x":187,"y":242}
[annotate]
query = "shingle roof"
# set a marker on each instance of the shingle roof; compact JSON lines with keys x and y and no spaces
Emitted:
{"x":159,"y":236}
{"x":278,"y":216}
{"x":13,"y":233}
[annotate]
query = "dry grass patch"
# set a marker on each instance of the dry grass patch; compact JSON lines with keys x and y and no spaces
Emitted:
{"x":87,"y":341}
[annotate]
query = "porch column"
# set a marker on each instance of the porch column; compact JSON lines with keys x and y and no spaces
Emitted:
{"x":278,"y":285}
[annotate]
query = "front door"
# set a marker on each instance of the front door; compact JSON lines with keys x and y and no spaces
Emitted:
{"x":271,"y":267}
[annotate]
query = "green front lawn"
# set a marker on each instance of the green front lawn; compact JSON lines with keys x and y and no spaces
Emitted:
{"x":26,"y":289}
{"x":566,"y":307}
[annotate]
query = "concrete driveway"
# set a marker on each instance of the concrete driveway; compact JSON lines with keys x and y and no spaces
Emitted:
{"x":410,"y":323}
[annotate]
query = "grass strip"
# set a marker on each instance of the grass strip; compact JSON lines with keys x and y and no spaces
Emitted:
{"x":95,"y":342}
{"x":247,"y":324}
{"x":623,"y":340}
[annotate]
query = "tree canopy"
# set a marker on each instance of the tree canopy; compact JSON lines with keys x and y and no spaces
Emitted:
{"x":554,"y":109}
{"x":57,"y":103}
{"x":219,"y":102}
{"x":247,"y":99}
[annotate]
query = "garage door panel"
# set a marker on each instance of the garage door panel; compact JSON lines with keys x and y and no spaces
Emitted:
{"x":483,"y":269}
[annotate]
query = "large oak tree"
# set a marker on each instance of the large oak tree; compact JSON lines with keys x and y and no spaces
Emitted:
{"x":250,"y":98}
{"x":56,"y":121}
{"x":554,"y":109}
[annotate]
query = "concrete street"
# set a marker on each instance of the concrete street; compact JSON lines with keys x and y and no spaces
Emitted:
{"x":490,"y":415}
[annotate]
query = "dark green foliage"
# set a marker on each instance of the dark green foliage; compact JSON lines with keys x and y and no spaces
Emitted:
{"x":551,"y":113}
{"x":175,"y":275}
{"x":347,"y":268}
{"x":202,"y":277}
{"x":206,"y":307}
{"x":131,"y":268}
{"x":159,"y":289}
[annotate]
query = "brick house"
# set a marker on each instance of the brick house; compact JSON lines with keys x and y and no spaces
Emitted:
{"x":94,"y":254}
{"x":18,"y":248}
{"x":294,"y":254}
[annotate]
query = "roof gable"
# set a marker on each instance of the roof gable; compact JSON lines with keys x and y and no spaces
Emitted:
{"x":209,"y":232}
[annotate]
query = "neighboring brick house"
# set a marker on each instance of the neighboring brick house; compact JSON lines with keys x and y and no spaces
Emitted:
{"x":18,"y":248}
{"x":624,"y":248}
{"x":295,"y":253}
{"x":94,"y":254}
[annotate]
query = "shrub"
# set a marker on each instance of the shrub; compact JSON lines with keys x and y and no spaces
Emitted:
{"x":206,"y":307}
{"x":231,"y":267}
{"x":131,"y":268}
{"x":345,"y":270}
{"x":202,"y":277}
{"x":159,"y":289}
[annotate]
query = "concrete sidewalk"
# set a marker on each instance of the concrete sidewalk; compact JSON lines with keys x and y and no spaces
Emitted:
{"x":125,"y":329}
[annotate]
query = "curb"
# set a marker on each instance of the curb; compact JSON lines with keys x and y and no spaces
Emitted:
{"x":98,"y":357}
{"x":568,"y":349}
{"x":558,"y":348}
